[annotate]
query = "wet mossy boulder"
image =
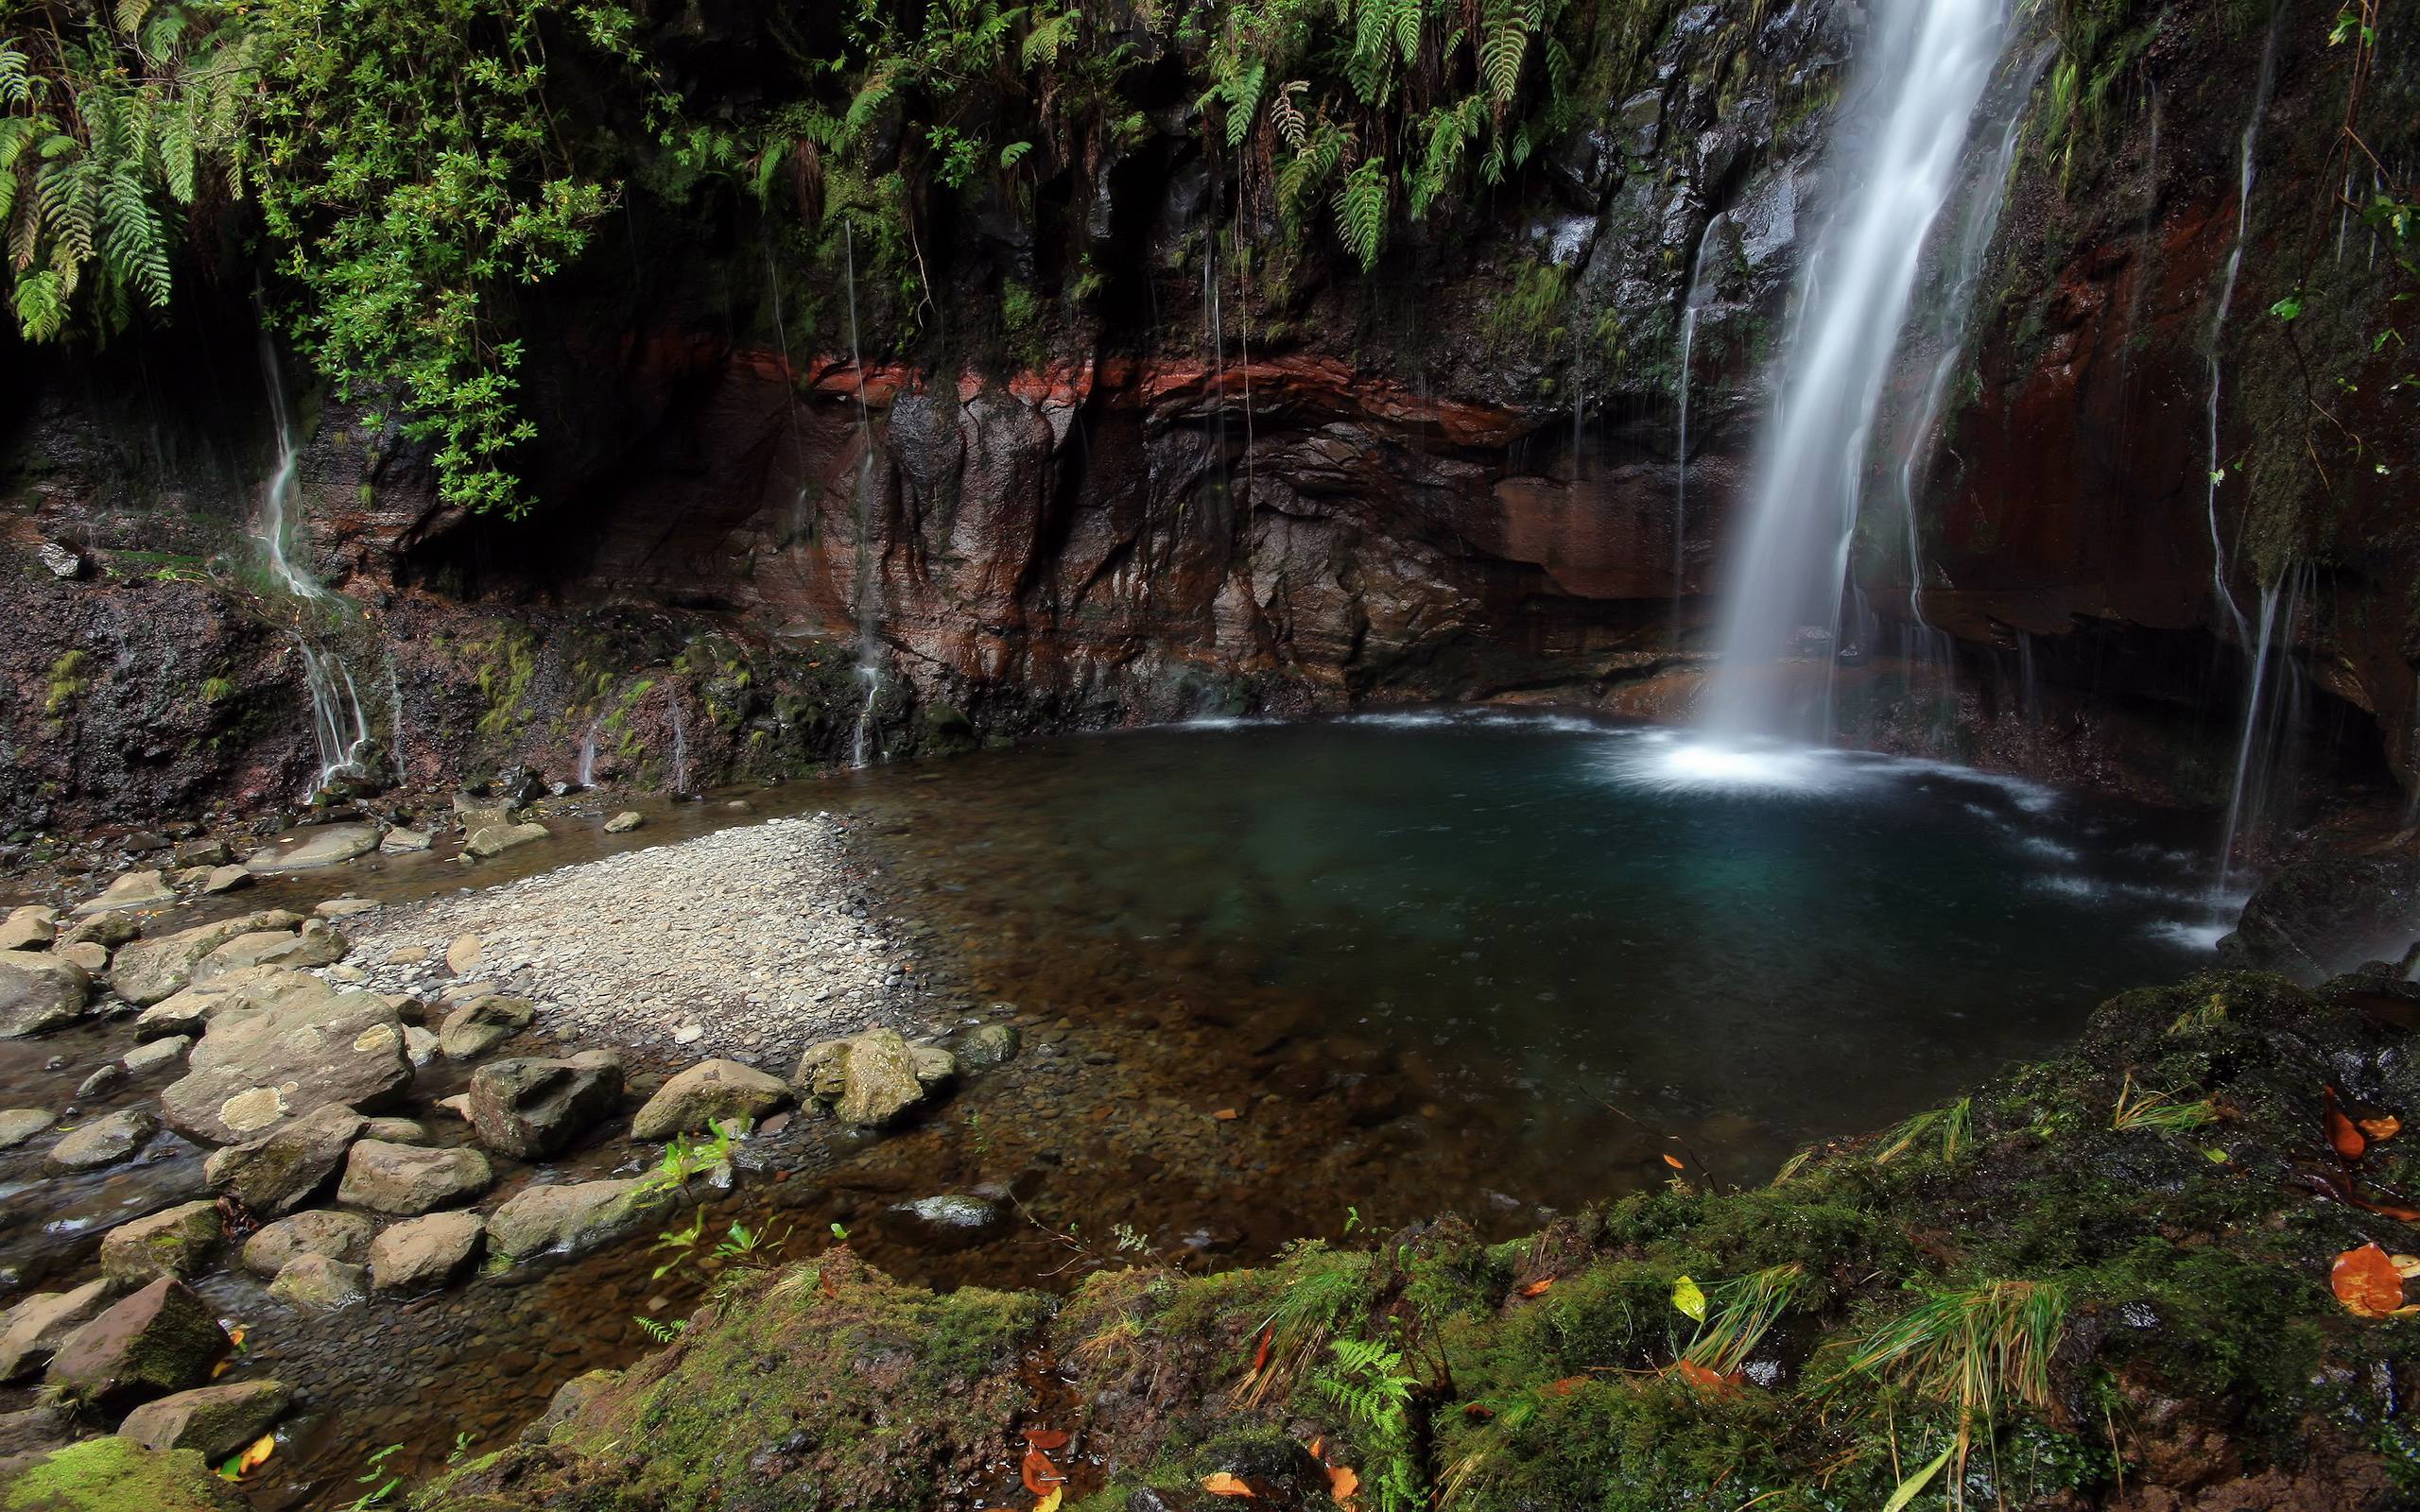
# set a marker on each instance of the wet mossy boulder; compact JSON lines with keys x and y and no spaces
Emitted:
{"x":531,"y":1108}
{"x":114,"y":1474}
{"x":2316,"y":917}
{"x":709,"y":1092}
{"x":576,"y":1217}
{"x":177,"y":1241}
{"x":280,"y":1171}
{"x":162,"y":1338}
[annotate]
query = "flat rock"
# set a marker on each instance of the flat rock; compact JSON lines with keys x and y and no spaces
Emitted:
{"x":112,"y":930}
{"x":319,"y":845}
{"x":345,"y":907}
{"x":476,"y":1027}
{"x":577,"y":1217}
{"x":153,"y":1054}
{"x":114,"y":1474}
{"x":164,"y":1338}
{"x":204,"y":853}
{"x":411,"y":1178}
{"x":316,"y":1231}
{"x":462,"y":955}
{"x":175,"y":1242}
{"x":40,"y":992}
{"x":217,"y":1421}
{"x":228,"y":879}
{"x":147,"y":889}
{"x":707,"y":1092}
{"x":403,"y":842}
{"x":92,"y":956}
{"x":318,"y":944}
{"x":287,"y":1049}
{"x":495,"y":839}
{"x":624,"y":822}
{"x":30,"y":928}
{"x":531,"y":1108}
{"x":397,"y":1131}
{"x":421,"y":1253}
{"x":280,"y":1171}
{"x":317,"y":1282}
{"x":18,"y":1125}
{"x":148,"y":971}
{"x":37,"y":1326}
{"x":105,"y":1141}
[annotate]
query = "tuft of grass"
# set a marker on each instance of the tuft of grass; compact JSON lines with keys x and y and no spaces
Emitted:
{"x":1954,"y":1126}
{"x":1740,"y":1314}
{"x":2146,"y":1108}
{"x":1980,"y":1348}
{"x":1301,"y":1325}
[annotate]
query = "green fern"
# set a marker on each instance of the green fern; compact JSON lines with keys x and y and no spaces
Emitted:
{"x":1368,"y":1384}
{"x":1361,"y":211}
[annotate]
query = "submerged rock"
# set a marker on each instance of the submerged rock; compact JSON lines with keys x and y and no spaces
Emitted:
{"x":320,"y":1231}
{"x":948,"y":1223}
{"x":531,"y":1108}
{"x":575,"y":1218}
{"x":319,"y":845}
{"x":105,"y":1141}
{"x":317,"y":1282}
{"x":708,"y":1092}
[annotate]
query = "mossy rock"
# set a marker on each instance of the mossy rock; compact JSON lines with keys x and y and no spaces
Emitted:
{"x":114,"y":1475}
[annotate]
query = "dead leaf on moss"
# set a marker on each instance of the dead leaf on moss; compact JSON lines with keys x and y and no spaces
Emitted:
{"x":1704,"y":1379}
{"x":2367,"y":1281}
{"x":1539,"y":1287}
{"x":1050,"y":1502}
{"x":2341,"y":1135}
{"x":1223,"y":1484}
{"x":1046,"y":1438}
{"x":2384,"y":1127}
{"x":1342,"y":1483}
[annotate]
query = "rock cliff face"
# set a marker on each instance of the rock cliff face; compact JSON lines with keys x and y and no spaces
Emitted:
{"x":1228,"y":481}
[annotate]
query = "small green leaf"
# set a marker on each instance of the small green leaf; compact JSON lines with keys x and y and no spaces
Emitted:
{"x":1909,"y":1488}
{"x":1688,"y":1298}
{"x":2217,"y":1157}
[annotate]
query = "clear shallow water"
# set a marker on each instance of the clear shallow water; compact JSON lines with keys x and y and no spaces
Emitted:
{"x":1751,"y":949}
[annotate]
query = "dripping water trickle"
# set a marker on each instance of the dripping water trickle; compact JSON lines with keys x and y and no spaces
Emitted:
{"x":863,"y":749}
{"x":2245,"y":172}
{"x":1689,"y":302}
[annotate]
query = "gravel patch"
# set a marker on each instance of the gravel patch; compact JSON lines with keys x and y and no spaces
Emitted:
{"x":749,"y":942}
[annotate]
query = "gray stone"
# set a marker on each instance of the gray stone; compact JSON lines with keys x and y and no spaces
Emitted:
{"x":109,"y":930}
{"x":624,"y":822}
{"x":204,"y":853}
{"x":475,"y":1028}
{"x":345,"y":907}
{"x":175,"y":1242}
{"x":988,"y":1044}
{"x":420,"y":1253}
{"x":40,"y":992}
{"x":105,"y":1141}
{"x":295,"y":1045}
{"x":148,"y":971}
{"x":410,"y":1178}
{"x":497,"y":839}
{"x":531,"y":1108}
{"x":874,"y":1078}
{"x":93,"y":957}
{"x":101,"y":1080}
{"x":317,"y":1282}
{"x":30,"y":928}
{"x":421,"y":1045}
{"x":402,"y":842}
{"x":707,"y":1092}
{"x":164,"y":1338}
{"x":153,"y":1054}
{"x":280,"y":1171}
{"x":948,"y":1223}
{"x":462,"y":955}
{"x":145,"y":889}
{"x":64,"y":561}
{"x":228,"y":879}
{"x":40,"y":1324}
{"x":18,"y":1125}
{"x":306,"y":849}
{"x":318,"y":1231}
{"x":217,"y":1422}
{"x":576,"y":1218}
{"x":397,"y":1131}
{"x":318,"y":944}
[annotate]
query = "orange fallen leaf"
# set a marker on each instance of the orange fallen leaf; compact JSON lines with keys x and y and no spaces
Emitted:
{"x":256,"y":1454}
{"x":1225,"y":1115}
{"x":1342,"y":1483}
{"x":1706,"y":1379}
{"x":1046,"y":1438}
{"x":2341,"y":1135}
{"x":2384,"y":1127}
{"x":1223,"y":1484}
{"x":1050,"y":1502}
{"x":1674,"y":1162}
{"x":1539,"y":1287}
{"x":1566,"y":1387}
{"x":1318,"y":1444}
{"x":1260,"y":1356}
{"x":1039,"y":1473}
{"x":2366,"y":1282}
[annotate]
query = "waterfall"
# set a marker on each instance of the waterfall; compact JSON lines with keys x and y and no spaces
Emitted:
{"x":2219,"y":328}
{"x":862,"y":747}
{"x":1928,"y":65}
{"x":588,"y":748}
{"x":337,"y":725}
{"x":2272,"y":706}
{"x":1681,"y":443}
{"x":680,"y":746}
{"x":278,"y":498}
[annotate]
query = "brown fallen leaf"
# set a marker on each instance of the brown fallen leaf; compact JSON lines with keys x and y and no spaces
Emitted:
{"x":1342,"y":1483}
{"x":1260,"y":1356}
{"x":2366,"y":1282}
{"x":1039,"y":1473}
{"x":1706,"y":1379}
{"x":1675,"y":1163}
{"x":1223,"y":1484}
{"x":1225,"y":1115}
{"x":2385,"y":1126}
{"x":1539,"y":1287}
{"x":2341,"y":1135}
{"x":1046,"y":1438}
{"x":1566,"y":1387}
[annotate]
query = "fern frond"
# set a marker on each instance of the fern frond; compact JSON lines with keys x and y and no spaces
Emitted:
{"x":1361,"y":211}
{"x":16,"y":76}
{"x":1288,"y":116}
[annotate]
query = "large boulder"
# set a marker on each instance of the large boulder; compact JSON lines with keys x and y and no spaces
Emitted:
{"x":30,"y":928}
{"x":2320,"y":917}
{"x":575,"y":1218}
{"x":872,"y":1078}
{"x":479,"y":1026}
{"x":258,"y":1068}
{"x":706,"y":1094}
{"x":495,"y":839}
{"x":305,"y":849}
{"x":37,"y":1326}
{"x":136,"y":889}
{"x":114,"y":1474}
{"x":318,"y":1281}
{"x":531,"y":1108}
{"x":148,"y":971}
{"x":406,"y":1178}
{"x":420,"y":1253}
{"x":279,"y":1172}
{"x":318,"y":1231}
{"x":189,"y":1010}
{"x":317,"y":944}
{"x":214,"y":1421}
{"x":105,"y":1141}
{"x":174,"y":1243}
{"x":164,"y":1338}
{"x":40,"y":992}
